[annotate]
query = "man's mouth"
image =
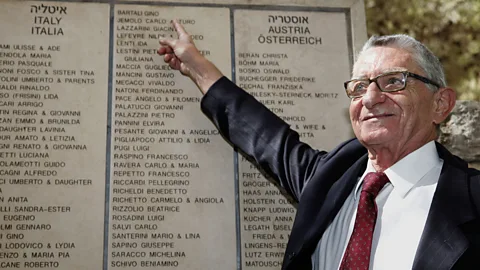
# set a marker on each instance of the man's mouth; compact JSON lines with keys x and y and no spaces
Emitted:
{"x":377,"y":116}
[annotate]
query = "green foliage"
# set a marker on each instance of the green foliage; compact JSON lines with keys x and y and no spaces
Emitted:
{"x":450,"y":28}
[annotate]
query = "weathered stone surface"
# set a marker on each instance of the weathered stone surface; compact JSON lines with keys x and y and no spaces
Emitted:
{"x":293,"y":90}
{"x":53,"y":126}
{"x":461,"y":132}
{"x":475,"y":165}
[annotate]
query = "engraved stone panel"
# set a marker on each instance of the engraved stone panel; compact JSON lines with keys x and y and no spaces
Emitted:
{"x":172,"y":187}
{"x":53,"y":114}
{"x":277,"y":60}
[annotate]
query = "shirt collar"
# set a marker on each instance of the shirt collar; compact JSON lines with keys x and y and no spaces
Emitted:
{"x":408,"y":171}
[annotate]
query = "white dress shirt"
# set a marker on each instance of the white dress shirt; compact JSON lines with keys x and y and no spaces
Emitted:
{"x":403,"y":206}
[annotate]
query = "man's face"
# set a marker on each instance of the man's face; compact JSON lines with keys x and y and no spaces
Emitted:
{"x":382,"y":119}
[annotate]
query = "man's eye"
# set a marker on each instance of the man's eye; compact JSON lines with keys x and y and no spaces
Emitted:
{"x":360,"y":86}
{"x":395,"y":81}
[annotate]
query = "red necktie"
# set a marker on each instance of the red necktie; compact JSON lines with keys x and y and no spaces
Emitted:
{"x":357,"y":253}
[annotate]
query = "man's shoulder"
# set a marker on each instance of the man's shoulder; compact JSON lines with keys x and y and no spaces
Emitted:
{"x":457,"y":162}
{"x":472,"y":175}
{"x":451,"y":159}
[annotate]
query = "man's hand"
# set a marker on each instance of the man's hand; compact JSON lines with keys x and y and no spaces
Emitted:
{"x":181,"y":54}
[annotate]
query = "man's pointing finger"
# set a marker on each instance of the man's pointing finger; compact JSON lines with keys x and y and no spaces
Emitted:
{"x":179,"y":28}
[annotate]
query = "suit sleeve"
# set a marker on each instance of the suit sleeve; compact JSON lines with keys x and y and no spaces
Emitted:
{"x":261,"y":135}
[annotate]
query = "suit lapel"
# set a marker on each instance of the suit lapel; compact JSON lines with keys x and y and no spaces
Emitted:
{"x":443,"y":242}
{"x":335,"y":199}
{"x":321,"y":199}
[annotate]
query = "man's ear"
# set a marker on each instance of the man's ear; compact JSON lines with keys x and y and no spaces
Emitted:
{"x":444,"y":102}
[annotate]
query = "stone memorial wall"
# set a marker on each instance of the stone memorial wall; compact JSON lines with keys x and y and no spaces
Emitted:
{"x":106,"y":161}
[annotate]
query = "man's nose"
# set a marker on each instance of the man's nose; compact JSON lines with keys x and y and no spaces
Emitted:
{"x":373,"y":96}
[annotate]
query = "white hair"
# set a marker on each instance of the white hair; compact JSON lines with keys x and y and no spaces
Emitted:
{"x":424,"y":58}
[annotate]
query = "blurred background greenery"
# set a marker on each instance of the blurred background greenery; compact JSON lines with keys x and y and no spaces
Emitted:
{"x":450,"y":28}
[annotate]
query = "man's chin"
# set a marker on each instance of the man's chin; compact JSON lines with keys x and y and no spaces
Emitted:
{"x":376,"y":138}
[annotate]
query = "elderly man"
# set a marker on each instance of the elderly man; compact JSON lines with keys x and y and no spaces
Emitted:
{"x":390,"y":199}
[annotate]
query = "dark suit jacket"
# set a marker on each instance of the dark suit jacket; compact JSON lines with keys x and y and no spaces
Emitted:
{"x":451,"y":237}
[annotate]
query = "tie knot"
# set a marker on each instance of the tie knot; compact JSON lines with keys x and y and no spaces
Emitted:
{"x":374,"y":182}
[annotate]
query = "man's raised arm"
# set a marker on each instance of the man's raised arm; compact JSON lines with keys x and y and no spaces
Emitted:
{"x":182,"y":54}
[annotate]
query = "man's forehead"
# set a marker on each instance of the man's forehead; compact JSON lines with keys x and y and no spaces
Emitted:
{"x":378,"y":60}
